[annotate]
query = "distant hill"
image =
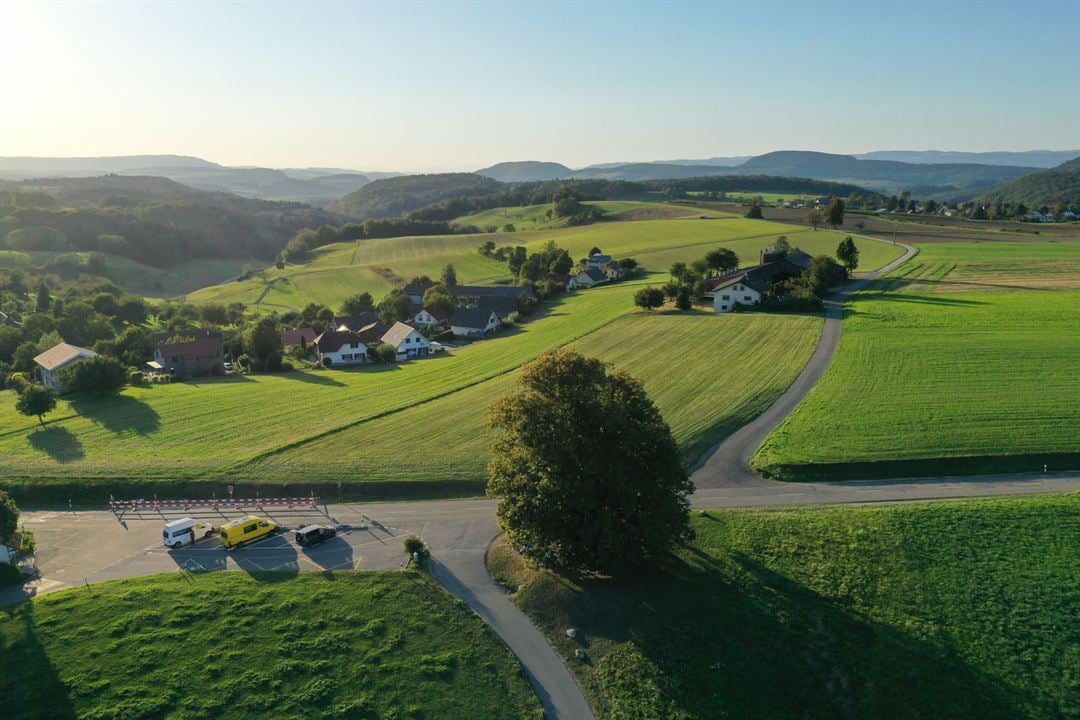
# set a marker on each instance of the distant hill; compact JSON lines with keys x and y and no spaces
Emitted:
{"x":637,"y":172}
{"x":1026,"y":158}
{"x":151,"y":220}
{"x":1060,"y":185}
{"x":526,"y":171}
{"x":959,"y":179}
{"x":311,"y":186}
{"x":716,"y":161}
{"x":398,"y":195}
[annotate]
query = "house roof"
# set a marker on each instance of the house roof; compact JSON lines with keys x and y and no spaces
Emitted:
{"x":397,"y":333}
{"x":727,"y":281}
{"x":355,"y":322}
{"x":594,"y":273}
{"x":436,"y":312}
{"x":60,"y":355}
{"x":189,"y":343}
{"x":599,"y":258}
{"x":332,"y":340}
{"x":502,"y":306}
{"x":372,"y":332}
{"x":481,"y":291}
{"x":803,"y":260}
{"x":418,"y":288}
{"x":295,"y":335}
{"x":473,"y":318}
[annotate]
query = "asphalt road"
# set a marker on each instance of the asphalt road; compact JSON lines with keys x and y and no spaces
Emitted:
{"x":76,"y":548}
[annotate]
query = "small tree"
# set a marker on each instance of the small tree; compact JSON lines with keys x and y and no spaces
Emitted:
{"x":9,"y":516}
{"x":682,"y":300}
{"x":678,"y":271}
{"x":358,"y":303}
{"x":99,"y":376}
{"x":848,"y":254}
{"x":834,"y":214}
{"x":416,"y":546}
{"x":782,"y":245}
{"x":439,"y":296}
{"x":722,"y":259}
{"x":587,"y":472}
{"x":449,"y":275}
{"x":813,"y":218}
{"x":754,"y":211}
{"x":263,"y":344}
{"x":36,"y":400}
{"x":385,"y":353}
{"x":648,"y":298}
{"x":395,"y":307}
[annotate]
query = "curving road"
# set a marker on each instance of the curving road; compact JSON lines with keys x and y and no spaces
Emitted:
{"x":85,"y":547}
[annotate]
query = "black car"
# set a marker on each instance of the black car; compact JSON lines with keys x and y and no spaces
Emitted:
{"x":314,"y":534}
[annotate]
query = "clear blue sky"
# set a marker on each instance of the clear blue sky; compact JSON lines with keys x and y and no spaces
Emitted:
{"x":417,"y":86}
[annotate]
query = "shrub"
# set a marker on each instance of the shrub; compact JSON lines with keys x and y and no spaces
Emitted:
{"x":413,"y":544}
{"x":512,"y":319}
{"x":18,"y":381}
{"x":327,"y":362}
{"x":385,"y":353}
{"x":100,"y":375}
{"x":135,"y":377}
{"x":287,"y":366}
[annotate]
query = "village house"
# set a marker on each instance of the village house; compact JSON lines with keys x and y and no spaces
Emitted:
{"x":356,"y":322}
{"x":298,"y":336}
{"x":340,"y":346}
{"x":189,"y":353}
{"x":435,"y":317}
{"x":597,"y":261}
{"x":58,"y":358}
{"x":587,"y":278}
{"x":747,"y":286}
{"x":407,"y":340}
{"x":474,"y":322}
{"x":9,"y":549}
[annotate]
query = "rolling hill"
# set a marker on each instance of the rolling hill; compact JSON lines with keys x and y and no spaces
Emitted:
{"x":1025,"y":158}
{"x":395,"y":196}
{"x":1060,"y":185}
{"x":311,"y":185}
{"x":525,"y":171}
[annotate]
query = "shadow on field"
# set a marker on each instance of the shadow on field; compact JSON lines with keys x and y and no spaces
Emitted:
{"x":315,"y":378}
{"x":121,"y":414}
{"x":730,"y":633}
{"x":923,"y":299}
{"x":30,"y":686}
{"x":57,"y":442}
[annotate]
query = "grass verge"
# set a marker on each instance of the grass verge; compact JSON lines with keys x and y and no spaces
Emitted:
{"x":229,"y":644}
{"x":962,"y":609}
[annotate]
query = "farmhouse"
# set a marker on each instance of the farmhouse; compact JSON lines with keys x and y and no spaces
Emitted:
{"x":416,"y":291}
{"x":57,"y":358}
{"x":298,"y":336}
{"x":340,"y":346}
{"x":356,"y":322}
{"x":588,"y":278}
{"x":431,"y":317}
{"x":474,"y":295}
{"x":407,"y":340}
{"x":189,"y":352}
{"x":747,"y":286}
{"x":474,"y":322}
{"x":597,"y":261}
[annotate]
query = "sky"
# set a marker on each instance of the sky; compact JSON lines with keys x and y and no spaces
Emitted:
{"x":458,"y":86}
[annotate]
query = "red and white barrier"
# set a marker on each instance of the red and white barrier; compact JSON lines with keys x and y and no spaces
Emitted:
{"x":155,"y":505}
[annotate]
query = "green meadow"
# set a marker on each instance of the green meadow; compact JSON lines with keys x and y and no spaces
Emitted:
{"x":963,"y":360}
{"x":962,"y":610}
{"x":232,"y":644}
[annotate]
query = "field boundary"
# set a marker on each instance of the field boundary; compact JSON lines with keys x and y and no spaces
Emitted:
{"x":922,"y":468}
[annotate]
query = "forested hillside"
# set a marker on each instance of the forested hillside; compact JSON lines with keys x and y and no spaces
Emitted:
{"x":1057,"y":186}
{"x":398,"y":195}
{"x":153,"y":221}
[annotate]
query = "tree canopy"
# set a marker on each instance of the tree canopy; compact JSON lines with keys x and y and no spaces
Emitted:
{"x":99,"y":376}
{"x":586,"y":470}
{"x":35,"y":401}
{"x":848,"y":254}
{"x":834,"y":214}
{"x":358,"y":303}
{"x":9,"y":516}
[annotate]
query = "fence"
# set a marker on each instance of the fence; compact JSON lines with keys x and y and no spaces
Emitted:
{"x":119,"y":507}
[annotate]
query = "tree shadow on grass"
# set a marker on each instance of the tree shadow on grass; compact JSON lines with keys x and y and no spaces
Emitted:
{"x":315,"y":378}
{"x":121,"y":414}
{"x":711,"y":637}
{"x":29,"y":683}
{"x":925,"y":299}
{"x":57,"y":442}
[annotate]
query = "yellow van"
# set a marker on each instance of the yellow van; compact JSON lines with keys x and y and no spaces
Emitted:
{"x":244,"y":530}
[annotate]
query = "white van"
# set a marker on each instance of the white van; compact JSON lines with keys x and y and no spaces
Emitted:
{"x":184,"y":531}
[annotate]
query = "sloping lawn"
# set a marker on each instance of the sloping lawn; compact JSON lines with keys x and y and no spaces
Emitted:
{"x":964,"y":361}
{"x":960,"y":610}
{"x":233,"y":645}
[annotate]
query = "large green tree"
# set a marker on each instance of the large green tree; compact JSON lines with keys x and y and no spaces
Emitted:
{"x":263,"y":345}
{"x":848,"y":254}
{"x":834,"y":214}
{"x":358,"y":303}
{"x":439,"y":296}
{"x":9,"y":516}
{"x":99,"y":376}
{"x":722,"y":259}
{"x":35,"y":401}
{"x":586,"y":470}
{"x":395,"y":307}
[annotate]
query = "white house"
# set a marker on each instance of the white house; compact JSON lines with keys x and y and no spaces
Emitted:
{"x":341,"y":347}
{"x":407,"y":340}
{"x":587,"y":278}
{"x":58,"y":357}
{"x":736,"y":290}
{"x":597,"y":261}
{"x":474,"y":322}
{"x":431,"y":317}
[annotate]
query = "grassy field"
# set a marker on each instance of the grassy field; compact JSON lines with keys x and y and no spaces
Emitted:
{"x":229,"y":644}
{"x":962,"y":610}
{"x":417,"y":423}
{"x":747,"y":361}
{"x":962,"y":361}
{"x":656,"y":234}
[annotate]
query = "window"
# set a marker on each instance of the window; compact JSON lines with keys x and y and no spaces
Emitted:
{"x":251,"y":528}
{"x":725,"y":297}
{"x":746,"y":298}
